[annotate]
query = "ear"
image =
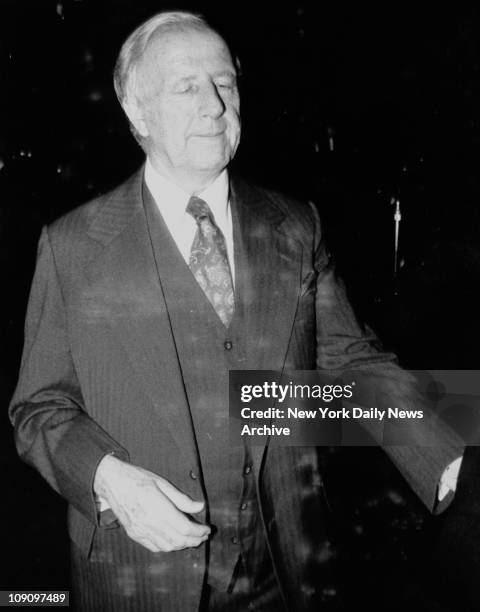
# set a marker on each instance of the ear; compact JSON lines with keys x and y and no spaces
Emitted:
{"x":238,"y":65}
{"x":134,"y":112}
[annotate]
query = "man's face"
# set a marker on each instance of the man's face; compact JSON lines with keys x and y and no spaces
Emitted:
{"x":187,"y":88}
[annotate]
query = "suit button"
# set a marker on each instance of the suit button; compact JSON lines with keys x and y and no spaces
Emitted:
{"x":234,"y":540}
{"x":193,"y":476}
{"x":247,"y":470}
{"x":228,"y":345}
{"x":244,"y":506}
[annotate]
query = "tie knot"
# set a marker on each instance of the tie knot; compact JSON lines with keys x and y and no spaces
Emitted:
{"x":198,"y":208}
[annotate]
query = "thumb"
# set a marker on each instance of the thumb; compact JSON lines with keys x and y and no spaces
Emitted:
{"x":180,"y":500}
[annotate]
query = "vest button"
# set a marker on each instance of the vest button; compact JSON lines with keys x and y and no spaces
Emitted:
{"x":247,"y":470}
{"x":244,"y":506}
{"x":193,"y":476}
{"x":234,"y":540}
{"x":228,"y":345}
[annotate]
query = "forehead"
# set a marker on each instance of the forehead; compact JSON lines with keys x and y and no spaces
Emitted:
{"x":181,"y":52}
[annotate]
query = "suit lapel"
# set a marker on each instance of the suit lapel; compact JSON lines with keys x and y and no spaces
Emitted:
{"x":124,"y":270}
{"x":268,"y":266}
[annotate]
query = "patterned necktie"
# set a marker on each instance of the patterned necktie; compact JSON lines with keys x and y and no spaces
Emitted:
{"x":209,"y":261}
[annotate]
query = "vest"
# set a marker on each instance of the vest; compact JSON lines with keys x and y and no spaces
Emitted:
{"x":206,"y":352}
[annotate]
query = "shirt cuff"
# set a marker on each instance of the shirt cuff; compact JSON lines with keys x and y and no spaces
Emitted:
{"x":102,"y":504}
{"x":448,"y":480}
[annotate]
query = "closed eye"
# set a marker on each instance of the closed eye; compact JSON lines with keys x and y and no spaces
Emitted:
{"x":225,"y":84}
{"x":185,"y":89}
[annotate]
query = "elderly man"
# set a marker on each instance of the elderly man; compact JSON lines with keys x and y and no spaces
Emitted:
{"x":142,"y":302}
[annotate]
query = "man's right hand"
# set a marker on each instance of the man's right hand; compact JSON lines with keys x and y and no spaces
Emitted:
{"x":151,"y":510}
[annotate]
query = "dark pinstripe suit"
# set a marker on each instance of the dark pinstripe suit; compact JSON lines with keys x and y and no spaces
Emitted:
{"x":100,"y":373}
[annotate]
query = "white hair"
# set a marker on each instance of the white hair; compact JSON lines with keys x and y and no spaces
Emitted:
{"x":134,"y":47}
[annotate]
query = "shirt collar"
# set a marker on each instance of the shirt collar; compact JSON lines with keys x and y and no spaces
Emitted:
{"x":172,"y":200}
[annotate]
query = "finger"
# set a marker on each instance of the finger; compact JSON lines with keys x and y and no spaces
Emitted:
{"x":170,"y":543}
{"x":194,"y":542}
{"x":176,"y":519}
{"x":181,"y":525}
{"x":156,"y":543}
{"x":188,"y":543}
{"x":174,"y":526}
{"x":153,"y":539}
{"x":180,"y":500}
{"x":161,"y":524}
{"x":146,"y":543}
{"x":166,"y":537}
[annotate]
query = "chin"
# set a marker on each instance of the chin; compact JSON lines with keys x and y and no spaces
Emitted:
{"x":213,"y":163}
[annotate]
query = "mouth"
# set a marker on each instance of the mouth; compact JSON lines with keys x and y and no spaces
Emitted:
{"x":210,"y":134}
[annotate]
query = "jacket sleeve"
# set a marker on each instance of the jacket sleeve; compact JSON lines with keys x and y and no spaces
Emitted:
{"x":344,"y":344}
{"x":53,"y":432}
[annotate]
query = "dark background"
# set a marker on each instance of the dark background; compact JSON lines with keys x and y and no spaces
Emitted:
{"x":347,"y":107}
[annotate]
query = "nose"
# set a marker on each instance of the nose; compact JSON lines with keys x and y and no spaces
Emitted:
{"x":211,"y":103}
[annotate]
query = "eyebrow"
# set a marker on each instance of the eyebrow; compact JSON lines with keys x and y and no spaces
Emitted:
{"x":229,"y":73}
{"x":193,"y":77}
{"x":184,"y":79}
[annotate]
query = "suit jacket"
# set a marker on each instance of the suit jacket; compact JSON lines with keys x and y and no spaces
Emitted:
{"x":100,"y":370}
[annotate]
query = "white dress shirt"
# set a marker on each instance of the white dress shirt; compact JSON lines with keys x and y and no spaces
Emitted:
{"x":172,"y":203}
